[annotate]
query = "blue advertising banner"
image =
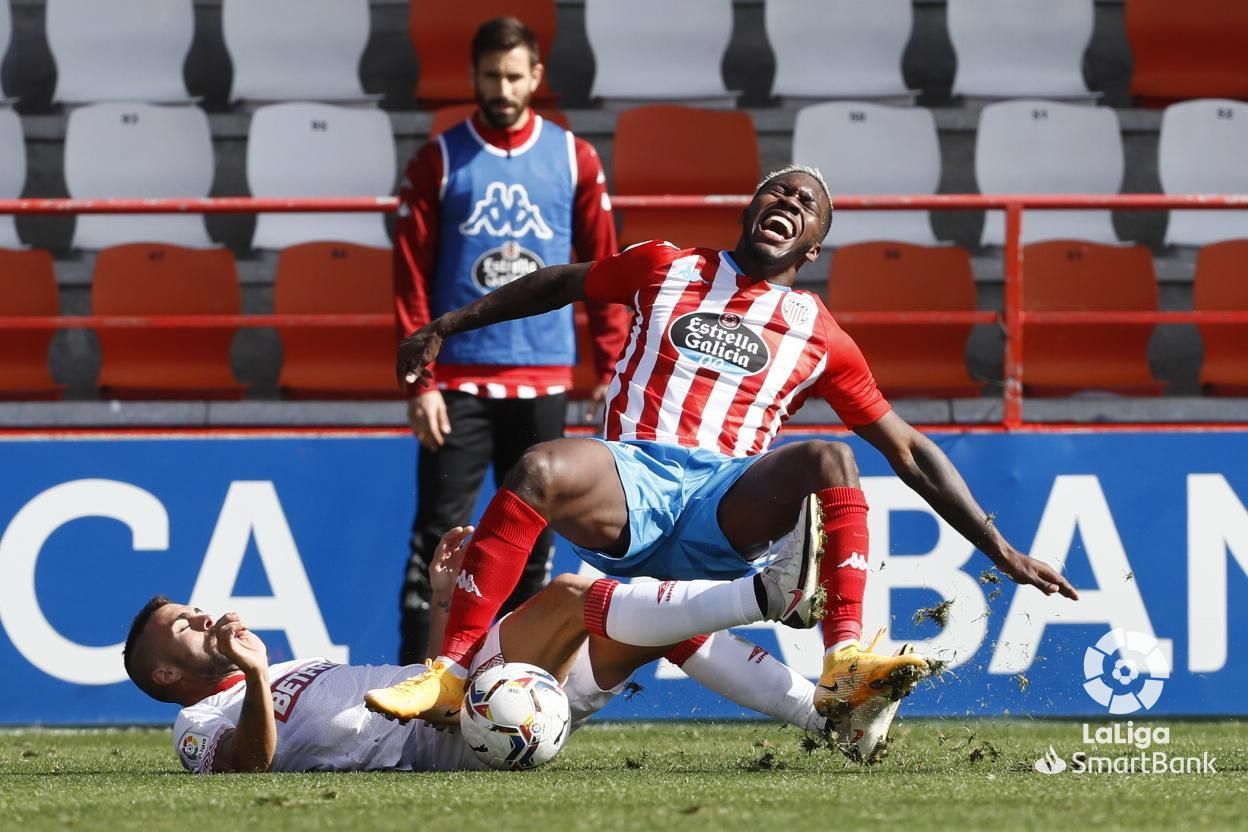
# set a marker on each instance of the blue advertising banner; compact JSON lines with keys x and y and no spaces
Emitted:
{"x":306,"y":536}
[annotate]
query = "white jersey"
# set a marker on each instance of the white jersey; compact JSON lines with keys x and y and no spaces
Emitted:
{"x":322,"y":724}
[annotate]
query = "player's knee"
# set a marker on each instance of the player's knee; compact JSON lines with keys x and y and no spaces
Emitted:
{"x":535,"y":477}
{"x":571,"y":586}
{"x":829,"y":464}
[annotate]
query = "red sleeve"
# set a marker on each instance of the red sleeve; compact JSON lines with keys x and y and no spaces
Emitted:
{"x":618,"y":279}
{"x":847,"y":383}
{"x":593,"y":239}
{"x":416,"y":238}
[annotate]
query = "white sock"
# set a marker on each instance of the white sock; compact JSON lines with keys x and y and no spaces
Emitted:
{"x":668,"y":612}
{"x":841,"y":645}
{"x":752,"y":677}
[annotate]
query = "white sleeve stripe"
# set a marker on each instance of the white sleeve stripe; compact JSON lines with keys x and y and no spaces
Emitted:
{"x":572,"y":160}
{"x":445,"y":166}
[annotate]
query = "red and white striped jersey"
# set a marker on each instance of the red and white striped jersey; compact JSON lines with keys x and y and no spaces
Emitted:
{"x":717,"y":360}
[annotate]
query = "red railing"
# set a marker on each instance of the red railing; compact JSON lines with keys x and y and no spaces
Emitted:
{"x":1012,"y":204}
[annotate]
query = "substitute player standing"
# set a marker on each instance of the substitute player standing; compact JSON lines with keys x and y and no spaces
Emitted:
{"x":722,"y":351}
{"x":489,"y":201}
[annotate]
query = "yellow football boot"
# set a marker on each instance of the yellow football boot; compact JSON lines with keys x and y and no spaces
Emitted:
{"x":435,"y":696}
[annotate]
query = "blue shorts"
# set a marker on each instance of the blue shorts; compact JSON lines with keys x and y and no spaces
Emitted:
{"x":673,"y":496}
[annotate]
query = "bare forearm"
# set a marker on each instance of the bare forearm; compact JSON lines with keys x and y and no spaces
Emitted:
{"x":930,"y":473}
{"x":254,"y":741}
{"x":439,"y":611}
{"x":541,"y":291}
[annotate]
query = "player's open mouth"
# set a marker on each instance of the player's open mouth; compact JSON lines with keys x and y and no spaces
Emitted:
{"x":777,"y":227}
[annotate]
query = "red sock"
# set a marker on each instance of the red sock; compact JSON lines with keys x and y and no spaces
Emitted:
{"x":680,"y":654}
{"x":843,"y":572}
{"x":491,"y":569}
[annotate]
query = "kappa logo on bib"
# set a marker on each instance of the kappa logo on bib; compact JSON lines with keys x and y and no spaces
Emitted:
{"x":720,"y":342}
{"x":506,"y":211}
{"x":500,"y":266}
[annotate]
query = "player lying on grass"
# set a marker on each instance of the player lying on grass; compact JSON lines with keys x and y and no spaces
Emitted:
{"x":241,"y":714}
{"x":721,"y":352}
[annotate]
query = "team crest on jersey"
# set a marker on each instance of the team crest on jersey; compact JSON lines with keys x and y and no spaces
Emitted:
{"x":500,"y":266}
{"x":192,"y":745}
{"x":797,"y":309}
{"x":506,"y":211}
{"x":722,"y":343}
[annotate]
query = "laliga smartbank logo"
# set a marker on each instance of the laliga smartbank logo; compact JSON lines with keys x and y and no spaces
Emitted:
{"x":1125,"y":672}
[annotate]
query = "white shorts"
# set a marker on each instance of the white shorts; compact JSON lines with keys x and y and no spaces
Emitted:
{"x":585,"y":698}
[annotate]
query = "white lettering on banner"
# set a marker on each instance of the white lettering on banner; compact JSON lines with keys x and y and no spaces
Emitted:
{"x":939,"y":569}
{"x":252,"y":508}
{"x":24,"y":621}
{"x":1217,"y":523}
{"x":249,"y":508}
{"x":1076,"y":502}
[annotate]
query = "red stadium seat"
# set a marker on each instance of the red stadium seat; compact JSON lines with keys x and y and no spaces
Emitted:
{"x":153,"y":279}
{"x":915,"y":360}
{"x":670,"y":149}
{"x":337,"y":363}
{"x":27,"y":287}
{"x":584,"y":374}
{"x":1192,"y":49}
{"x":1066,"y":275}
{"x":444,"y":118}
{"x":1222,"y":284}
{"x":442,"y":37}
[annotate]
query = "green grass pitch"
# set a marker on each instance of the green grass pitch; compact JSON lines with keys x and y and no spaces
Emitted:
{"x":940,"y":774}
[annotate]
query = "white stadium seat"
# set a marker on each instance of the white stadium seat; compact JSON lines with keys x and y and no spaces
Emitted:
{"x":6,"y":39}
{"x":1047,"y":147}
{"x":1020,"y":48}
{"x":304,"y":150}
{"x":658,"y":50}
{"x":866,"y":148}
{"x":130,"y":150}
{"x":121,"y":50}
{"x":12,"y":171}
{"x":849,"y":49}
{"x":1204,"y":149}
{"x":296,"y":50}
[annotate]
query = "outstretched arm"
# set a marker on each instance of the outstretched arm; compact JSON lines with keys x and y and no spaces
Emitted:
{"x":923,"y":466}
{"x":541,"y":291}
{"x":443,"y":571}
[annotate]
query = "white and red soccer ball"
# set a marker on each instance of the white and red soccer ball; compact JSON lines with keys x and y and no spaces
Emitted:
{"x":515,"y":716}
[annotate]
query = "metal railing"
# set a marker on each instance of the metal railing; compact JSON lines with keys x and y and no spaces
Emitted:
{"x":1013,"y":317}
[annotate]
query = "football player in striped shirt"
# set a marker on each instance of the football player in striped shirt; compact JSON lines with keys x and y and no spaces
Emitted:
{"x":721,"y":351}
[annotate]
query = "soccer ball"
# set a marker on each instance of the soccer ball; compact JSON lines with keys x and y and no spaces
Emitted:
{"x":515,"y":716}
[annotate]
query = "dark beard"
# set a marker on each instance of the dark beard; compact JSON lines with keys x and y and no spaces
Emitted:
{"x":215,"y":666}
{"x":773,"y":262}
{"x":493,"y":120}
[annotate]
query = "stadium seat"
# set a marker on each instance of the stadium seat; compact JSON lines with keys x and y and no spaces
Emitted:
{"x":1043,"y":147}
{"x":119,"y":149}
{"x":911,"y":360}
{"x":6,"y":38}
{"x":27,"y":287}
{"x":342,"y":362}
{"x":872,"y":149}
{"x":307,"y":150}
{"x":122,"y":50}
{"x":445,"y":118}
{"x":671,"y":149}
{"x":1020,"y":48}
{"x":657,"y":50}
{"x":1203,"y":149}
{"x":148,"y":279}
{"x":1193,"y":49}
{"x":12,"y":171}
{"x":1074,"y":276}
{"x":1222,"y":284}
{"x":296,"y":50}
{"x":584,"y":374}
{"x":850,"y":49}
{"x":442,"y":37}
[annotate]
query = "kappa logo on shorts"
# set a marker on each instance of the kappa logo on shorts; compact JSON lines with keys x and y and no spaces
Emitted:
{"x":468,"y":584}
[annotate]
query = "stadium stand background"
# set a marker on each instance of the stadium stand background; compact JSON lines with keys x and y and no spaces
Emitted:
{"x":390,"y":69}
